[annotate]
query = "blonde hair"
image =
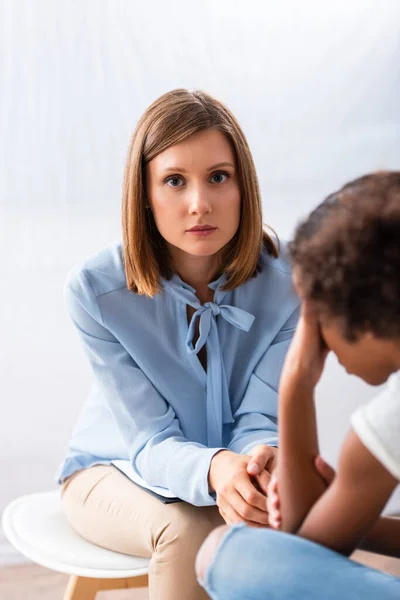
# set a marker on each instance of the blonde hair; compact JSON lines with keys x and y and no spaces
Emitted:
{"x":169,"y":120}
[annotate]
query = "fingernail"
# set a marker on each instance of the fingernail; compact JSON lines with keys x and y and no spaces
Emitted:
{"x":253,"y":468}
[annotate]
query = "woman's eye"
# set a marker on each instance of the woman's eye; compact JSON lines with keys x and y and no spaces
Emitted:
{"x":174,"y":181}
{"x":219,"y":177}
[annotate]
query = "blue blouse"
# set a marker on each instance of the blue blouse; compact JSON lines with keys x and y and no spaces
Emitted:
{"x":152,"y":402}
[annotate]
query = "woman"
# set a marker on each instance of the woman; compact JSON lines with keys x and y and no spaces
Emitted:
{"x":186,"y":326}
{"x":346,"y":266}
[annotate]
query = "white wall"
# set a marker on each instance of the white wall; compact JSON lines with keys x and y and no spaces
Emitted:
{"x":315,"y":85}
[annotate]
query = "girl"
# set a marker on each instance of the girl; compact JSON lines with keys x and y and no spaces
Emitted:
{"x":346,"y":259}
{"x":186,"y":324}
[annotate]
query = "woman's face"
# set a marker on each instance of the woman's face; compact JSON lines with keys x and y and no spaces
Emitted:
{"x":194,"y":194}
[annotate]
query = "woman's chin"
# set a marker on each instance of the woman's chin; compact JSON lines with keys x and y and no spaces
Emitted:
{"x":204,"y":248}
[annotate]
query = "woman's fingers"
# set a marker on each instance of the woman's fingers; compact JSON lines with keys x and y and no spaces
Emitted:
{"x":273,"y":504}
{"x":231,"y":515}
{"x":249,"y":512}
{"x":275,"y":521}
{"x":263,"y":481}
{"x":251,"y":495}
{"x":273,"y":484}
{"x":262,"y":457}
{"x":274,"y":513}
{"x":245,"y":499}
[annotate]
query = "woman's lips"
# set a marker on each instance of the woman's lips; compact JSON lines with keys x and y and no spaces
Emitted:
{"x":202,"y":231}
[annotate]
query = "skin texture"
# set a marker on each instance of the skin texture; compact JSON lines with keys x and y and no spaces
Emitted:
{"x":194,"y":183}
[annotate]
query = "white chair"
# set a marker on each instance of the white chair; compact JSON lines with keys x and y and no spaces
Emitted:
{"x":37,"y":527}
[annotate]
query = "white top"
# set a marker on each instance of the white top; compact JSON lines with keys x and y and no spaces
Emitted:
{"x":377,"y":424}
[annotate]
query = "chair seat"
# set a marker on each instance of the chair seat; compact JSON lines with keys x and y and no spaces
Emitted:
{"x":37,"y":527}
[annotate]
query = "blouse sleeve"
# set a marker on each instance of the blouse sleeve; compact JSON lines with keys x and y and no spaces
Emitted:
{"x":157,"y":448}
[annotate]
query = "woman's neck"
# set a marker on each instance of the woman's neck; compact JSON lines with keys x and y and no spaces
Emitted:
{"x":197,"y":271}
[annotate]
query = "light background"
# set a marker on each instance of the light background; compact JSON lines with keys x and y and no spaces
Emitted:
{"x":316,"y":87}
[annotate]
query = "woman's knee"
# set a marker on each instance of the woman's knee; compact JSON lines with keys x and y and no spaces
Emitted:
{"x":187,"y":526}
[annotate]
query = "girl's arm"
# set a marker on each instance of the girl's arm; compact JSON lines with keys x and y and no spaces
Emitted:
{"x":384,"y":537}
{"x":348,"y":509}
{"x":300,"y":486}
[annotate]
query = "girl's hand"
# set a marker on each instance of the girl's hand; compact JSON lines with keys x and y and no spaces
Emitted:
{"x":306,"y":356}
{"x":238,"y":499}
{"x":327,"y":474}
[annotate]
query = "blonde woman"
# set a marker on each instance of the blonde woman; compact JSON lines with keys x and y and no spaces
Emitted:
{"x":186,"y":325}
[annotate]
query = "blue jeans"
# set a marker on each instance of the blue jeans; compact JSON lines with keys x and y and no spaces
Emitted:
{"x":263,"y":564}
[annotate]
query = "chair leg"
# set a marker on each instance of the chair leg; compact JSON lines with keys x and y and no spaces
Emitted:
{"x":86,"y":588}
{"x":81,"y":588}
{"x":118,"y":584}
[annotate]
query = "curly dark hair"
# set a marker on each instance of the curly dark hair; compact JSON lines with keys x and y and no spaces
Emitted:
{"x":347,"y":255}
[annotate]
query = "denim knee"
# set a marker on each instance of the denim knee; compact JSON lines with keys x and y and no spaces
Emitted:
{"x":263,"y":564}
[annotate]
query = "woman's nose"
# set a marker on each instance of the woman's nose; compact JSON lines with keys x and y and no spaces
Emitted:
{"x":198,"y":202}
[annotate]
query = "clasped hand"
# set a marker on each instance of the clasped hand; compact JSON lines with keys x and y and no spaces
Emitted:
{"x":241,"y":484}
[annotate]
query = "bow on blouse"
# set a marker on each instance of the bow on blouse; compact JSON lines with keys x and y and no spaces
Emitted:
{"x":218,"y":403}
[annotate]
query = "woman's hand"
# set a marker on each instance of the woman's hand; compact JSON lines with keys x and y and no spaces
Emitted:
{"x":306,"y":356}
{"x":238,"y":498}
{"x":327,"y":474}
{"x":262,"y":464}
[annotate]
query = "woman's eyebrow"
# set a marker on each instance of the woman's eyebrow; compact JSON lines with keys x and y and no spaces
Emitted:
{"x":216,"y":166}
{"x":221,"y":164}
{"x":180,"y":169}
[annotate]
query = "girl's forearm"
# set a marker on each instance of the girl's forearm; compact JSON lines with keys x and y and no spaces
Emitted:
{"x":384,"y":537}
{"x":300,"y":486}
